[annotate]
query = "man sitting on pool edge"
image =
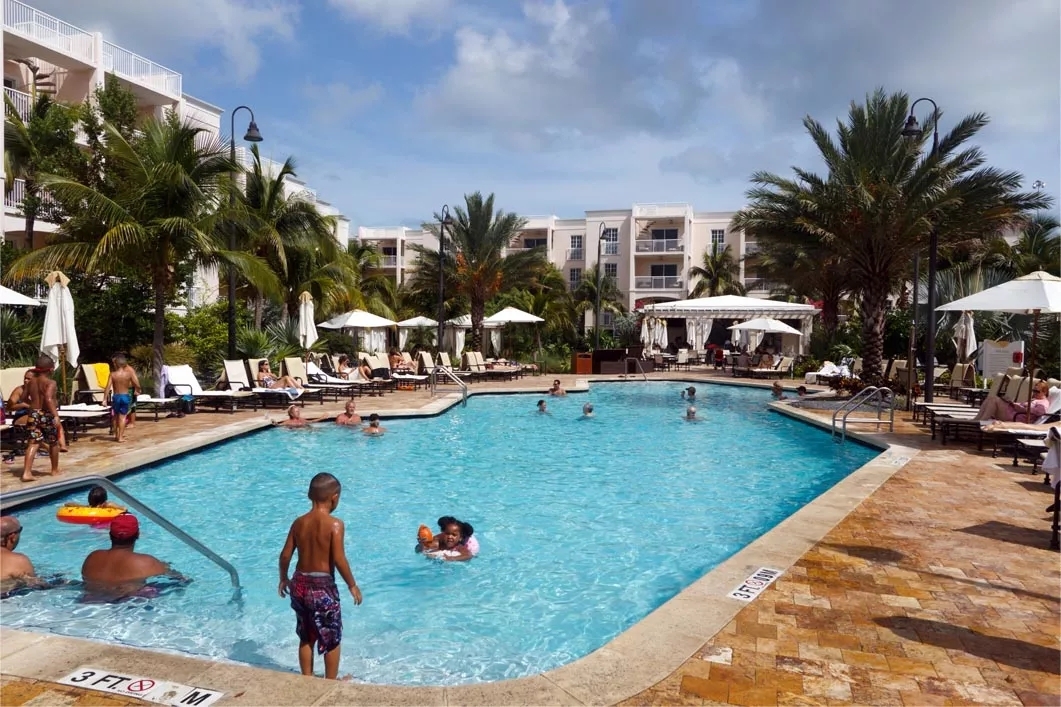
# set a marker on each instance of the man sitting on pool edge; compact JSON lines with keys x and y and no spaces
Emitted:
{"x":121,"y":571}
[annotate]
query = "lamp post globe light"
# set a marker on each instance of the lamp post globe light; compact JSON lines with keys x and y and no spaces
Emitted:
{"x":444,"y":220}
{"x":252,"y":135}
{"x":596,"y":305}
{"x":912,"y":130}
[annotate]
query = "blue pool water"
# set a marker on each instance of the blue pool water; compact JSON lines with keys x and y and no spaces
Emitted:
{"x":585,"y":527}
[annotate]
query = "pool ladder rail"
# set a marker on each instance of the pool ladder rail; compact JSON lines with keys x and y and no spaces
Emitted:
{"x":45,"y":490}
{"x":880,"y":398}
{"x":453,"y":377}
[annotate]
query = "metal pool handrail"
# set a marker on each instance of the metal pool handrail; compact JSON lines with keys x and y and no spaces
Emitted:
{"x":39,"y":492}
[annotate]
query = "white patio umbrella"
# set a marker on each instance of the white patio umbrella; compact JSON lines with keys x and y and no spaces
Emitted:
{"x":59,"y":339}
{"x":307,"y":330}
{"x":361,"y":320}
{"x":1034,"y":294}
{"x":965,"y":336}
{"x":16,"y":299}
{"x":767,"y":326}
{"x":646,"y":332}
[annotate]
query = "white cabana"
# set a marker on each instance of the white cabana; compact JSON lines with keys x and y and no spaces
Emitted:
{"x":405,"y":325}
{"x":16,"y":299}
{"x":456,"y":332}
{"x":510,"y":315}
{"x":734,"y":307}
{"x":307,"y":330}
{"x":372,"y":329}
{"x":1034,"y":294}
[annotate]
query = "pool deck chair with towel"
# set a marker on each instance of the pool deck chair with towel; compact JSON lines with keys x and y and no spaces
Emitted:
{"x":183,"y":382}
{"x":238,"y":379}
{"x":309,"y":375}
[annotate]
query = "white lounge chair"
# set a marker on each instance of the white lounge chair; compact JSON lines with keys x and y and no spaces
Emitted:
{"x":237,"y":378}
{"x":183,"y":382}
{"x":311,"y":376}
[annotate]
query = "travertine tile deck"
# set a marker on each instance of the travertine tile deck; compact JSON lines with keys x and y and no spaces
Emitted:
{"x":938,"y":589}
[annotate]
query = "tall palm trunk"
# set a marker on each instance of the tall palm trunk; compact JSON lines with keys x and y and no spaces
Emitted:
{"x":259,"y":310}
{"x":30,"y":212}
{"x":831,"y":311}
{"x":478,"y":314}
{"x":158,"y":340}
{"x":873,"y":306}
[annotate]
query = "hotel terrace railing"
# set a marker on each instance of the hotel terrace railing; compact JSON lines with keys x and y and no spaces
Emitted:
{"x":658,"y":283}
{"x":49,"y":31}
{"x":761,"y":284}
{"x":13,"y":198}
{"x":389,"y":261}
{"x":576,"y":254}
{"x":126,"y":64}
{"x":22,"y":102}
{"x":611,"y":248}
{"x":658,"y":246}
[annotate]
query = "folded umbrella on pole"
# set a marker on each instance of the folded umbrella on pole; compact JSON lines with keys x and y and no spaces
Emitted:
{"x":59,"y":339}
{"x":307,"y":330}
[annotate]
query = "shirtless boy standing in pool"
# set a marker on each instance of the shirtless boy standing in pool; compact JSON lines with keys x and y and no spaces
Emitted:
{"x":318,"y":537}
{"x":121,"y":387}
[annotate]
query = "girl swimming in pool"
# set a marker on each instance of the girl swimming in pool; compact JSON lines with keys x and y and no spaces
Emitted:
{"x":454,"y":543}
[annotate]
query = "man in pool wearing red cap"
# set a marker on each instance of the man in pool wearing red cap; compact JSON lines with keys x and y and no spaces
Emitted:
{"x":120,"y":569}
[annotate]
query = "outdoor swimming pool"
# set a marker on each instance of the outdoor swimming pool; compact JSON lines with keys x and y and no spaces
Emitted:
{"x":585,"y":526}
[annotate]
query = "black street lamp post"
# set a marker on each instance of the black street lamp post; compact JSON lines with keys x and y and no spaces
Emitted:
{"x":912,"y":129}
{"x":252,"y":136}
{"x":596,"y":306}
{"x":443,"y":221}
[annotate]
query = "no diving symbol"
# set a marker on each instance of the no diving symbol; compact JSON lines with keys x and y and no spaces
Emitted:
{"x":143,"y":685}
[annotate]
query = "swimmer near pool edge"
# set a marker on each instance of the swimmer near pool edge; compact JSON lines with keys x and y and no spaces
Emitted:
{"x":455,"y":541}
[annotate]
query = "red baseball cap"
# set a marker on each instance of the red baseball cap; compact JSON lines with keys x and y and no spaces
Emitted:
{"x":125,"y":527}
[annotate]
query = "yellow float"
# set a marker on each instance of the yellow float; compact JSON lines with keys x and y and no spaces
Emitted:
{"x":87,"y":515}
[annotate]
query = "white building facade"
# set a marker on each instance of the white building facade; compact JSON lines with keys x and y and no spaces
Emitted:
{"x":76,"y":62}
{"x":649,"y":248}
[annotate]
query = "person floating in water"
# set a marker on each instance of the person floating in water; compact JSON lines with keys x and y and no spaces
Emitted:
{"x":690,"y":413}
{"x":557,"y":390}
{"x":777,"y":391}
{"x":587,"y":410}
{"x":689,"y":393}
{"x":121,"y":571}
{"x":97,"y":498}
{"x":456,"y":541}
{"x":349,"y":415}
{"x":319,"y":539}
{"x":541,"y":407}
{"x":295,"y":419}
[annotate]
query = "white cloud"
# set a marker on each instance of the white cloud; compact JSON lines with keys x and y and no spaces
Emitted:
{"x":336,"y":103}
{"x":236,"y":28}
{"x":392,"y":16}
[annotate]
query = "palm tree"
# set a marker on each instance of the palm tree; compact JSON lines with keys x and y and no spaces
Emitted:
{"x":43,"y":143}
{"x":719,"y":274}
{"x":882,"y":196}
{"x":278,"y":226}
{"x":381,"y":294}
{"x":808,"y":271}
{"x":1038,"y":247}
{"x":164,"y":216}
{"x":585,"y":295}
{"x":474,"y":260}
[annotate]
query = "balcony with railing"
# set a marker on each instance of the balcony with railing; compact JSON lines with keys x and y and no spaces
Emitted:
{"x":51,"y":32}
{"x":389,"y":261}
{"x":659,"y":246}
{"x":22,"y":102}
{"x":650,"y":282}
{"x":576,"y":254}
{"x":761,"y":284}
{"x":135,"y":68}
{"x":610,"y":248}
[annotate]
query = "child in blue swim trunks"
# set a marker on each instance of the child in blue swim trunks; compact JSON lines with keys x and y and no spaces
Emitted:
{"x":121,"y":387}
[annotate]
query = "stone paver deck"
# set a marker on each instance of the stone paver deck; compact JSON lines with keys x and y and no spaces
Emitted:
{"x":938,"y":589}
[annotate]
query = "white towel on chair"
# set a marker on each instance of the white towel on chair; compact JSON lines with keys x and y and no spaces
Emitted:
{"x":1052,"y":465}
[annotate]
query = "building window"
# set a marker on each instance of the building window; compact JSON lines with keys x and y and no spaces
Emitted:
{"x":575,"y":277}
{"x":668,"y":270}
{"x":576,"y":242}
{"x":611,"y":241}
{"x":607,"y":320}
{"x":611,"y":270}
{"x":664,"y":234}
{"x":718,"y":240}
{"x":535,"y":242}
{"x":9,"y":83}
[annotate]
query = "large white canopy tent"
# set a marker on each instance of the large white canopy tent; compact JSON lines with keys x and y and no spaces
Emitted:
{"x":372,"y":329}
{"x":511,"y":315}
{"x":457,"y":330}
{"x":405,"y":325}
{"x":700,"y":313}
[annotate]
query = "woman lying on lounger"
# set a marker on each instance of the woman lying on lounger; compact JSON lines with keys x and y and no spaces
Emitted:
{"x":1003,"y":410}
{"x":266,"y":379}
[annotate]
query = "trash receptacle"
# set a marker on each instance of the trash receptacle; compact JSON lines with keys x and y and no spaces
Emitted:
{"x":583,"y":364}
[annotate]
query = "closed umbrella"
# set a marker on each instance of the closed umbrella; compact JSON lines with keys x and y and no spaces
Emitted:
{"x":307,"y":330}
{"x":965,"y":337}
{"x":59,"y":339}
{"x":646,"y":332}
{"x":16,"y":299}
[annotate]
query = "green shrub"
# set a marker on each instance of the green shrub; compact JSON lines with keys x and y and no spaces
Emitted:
{"x":807,"y":365}
{"x":172,"y":355}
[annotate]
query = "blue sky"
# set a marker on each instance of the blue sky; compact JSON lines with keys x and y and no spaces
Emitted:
{"x":392,"y":108}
